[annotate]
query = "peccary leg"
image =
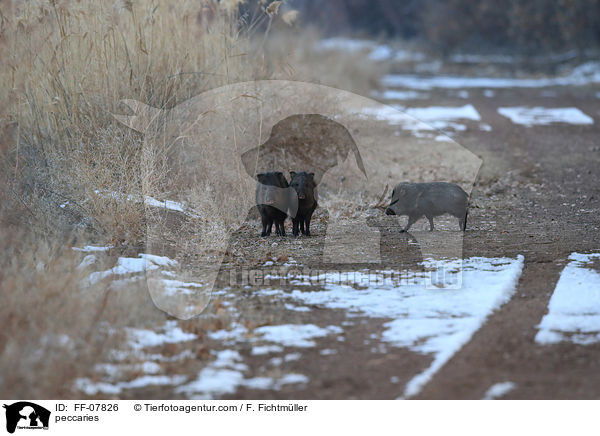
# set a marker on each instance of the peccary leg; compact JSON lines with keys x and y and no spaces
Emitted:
{"x":307,"y":221}
{"x":295,"y":223}
{"x":430,"y":218}
{"x":411,"y":221}
{"x":264,"y":226}
{"x":302,"y":226}
{"x":269,"y":226}
{"x":280,"y":229}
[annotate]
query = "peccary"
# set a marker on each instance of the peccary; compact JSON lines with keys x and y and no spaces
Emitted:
{"x":272,"y":201}
{"x":431,"y":200}
{"x":304,"y":184}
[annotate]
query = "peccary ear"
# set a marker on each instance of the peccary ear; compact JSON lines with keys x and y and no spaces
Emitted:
{"x":281,"y":178}
{"x":312,"y":175}
{"x":260,"y":176}
{"x":292,"y":173}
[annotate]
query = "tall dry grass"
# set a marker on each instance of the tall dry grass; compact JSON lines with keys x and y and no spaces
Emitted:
{"x":65,"y":66}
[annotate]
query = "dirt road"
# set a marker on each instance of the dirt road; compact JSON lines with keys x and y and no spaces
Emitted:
{"x":537,"y":196}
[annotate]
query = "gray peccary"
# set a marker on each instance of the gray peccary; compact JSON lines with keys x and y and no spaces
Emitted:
{"x":430,"y":200}
{"x":304,"y":184}
{"x":272,"y":201}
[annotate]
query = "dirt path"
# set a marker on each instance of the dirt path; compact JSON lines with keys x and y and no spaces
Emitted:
{"x":537,"y":195}
{"x":562,"y":161}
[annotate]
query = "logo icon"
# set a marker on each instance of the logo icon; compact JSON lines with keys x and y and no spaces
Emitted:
{"x":341,"y":149}
{"x":26,"y":415}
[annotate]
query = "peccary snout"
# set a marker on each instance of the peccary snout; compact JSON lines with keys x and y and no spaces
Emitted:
{"x":304,"y":185}
{"x":430,"y":200}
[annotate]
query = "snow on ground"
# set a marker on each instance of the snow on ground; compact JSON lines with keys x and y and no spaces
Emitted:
{"x":225,"y":374}
{"x":147,"y":200}
{"x":574,"y":308}
{"x":88,"y":387}
{"x":433,"y":114}
{"x":584,"y":74}
{"x":532,"y":116}
{"x":91,"y":248}
{"x":425,"y":119}
{"x":499,"y":390}
{"x":133,"y":265}
{"x":296,"y":335}
{"x":395,"y":94}
{"x":433,"y":322}
{"x":171,"y":333}
{"x":377,"y":52}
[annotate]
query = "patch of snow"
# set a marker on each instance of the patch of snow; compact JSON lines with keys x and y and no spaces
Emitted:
{"x":92,"y":248}
{"x":381,"y":53}
{"x":158,"y":260}
{"x":434,"y":322}
{"x":172,"y":287}
{"x":291,"y":357}
{"x":212,"y":381}
{"x":488,"y":93}
{"x":444,"y":113}
{"x":345,"y":44}
{"x":408,"y":56}
{"x":265,"y":349}
{"x":395,"y":94}
{"x":532,"y":116}
{"x":276,"y":361}
{"x":479,"y":59}
{"x":259,"y":383}
{"x":166,"y":204}
{"x":296,"y":335}
{"x":499,"y":390}
{"x":87,"y":261}
{"x":292,"y":379}
{"x":231,"y":336}
{"x":584,"y":74}
{"x":377,"y":52}
{"x":133,"y":265}
{"x":574,"y":308}
{"x":421,"y":119}
{"x":327,"y":352}
{"x":90,"y":388}
{"x":151,"y":380}
{"x":148,"y":201}
{"x":297,"y":308}
{"x":229,"y":359}
{"x":225,"y":375}
{"x":142,"y":338}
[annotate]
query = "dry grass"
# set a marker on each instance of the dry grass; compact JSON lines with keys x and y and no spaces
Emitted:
{"x":68,"y":168}
{"x":55,"y":325}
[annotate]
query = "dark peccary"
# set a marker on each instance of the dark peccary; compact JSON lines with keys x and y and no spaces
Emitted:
{"x":304,"y":184}
{"x":430,"y":200}
{"x":272,"y":202}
